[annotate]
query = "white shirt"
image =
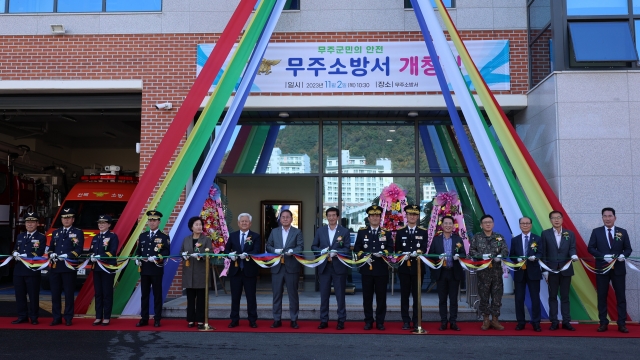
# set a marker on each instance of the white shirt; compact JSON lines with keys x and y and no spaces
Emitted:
{"x":332,"y":233}
{"x":376,"y":229}
{"x":558,"y":236}
{"x":285,"y":234}
{"x":412,"y":230}
{"x":613,"y":234}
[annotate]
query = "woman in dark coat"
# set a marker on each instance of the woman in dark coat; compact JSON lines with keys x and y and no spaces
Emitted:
{"x":193,"y":271}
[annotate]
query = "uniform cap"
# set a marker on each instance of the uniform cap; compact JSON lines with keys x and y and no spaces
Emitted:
{"x":412,"y":209}
{"x":104,"y":218}
{"x":154,"y":215}
{"x":67,"y":213}
{"x":31,"y":216}
{"x":374,"y":210}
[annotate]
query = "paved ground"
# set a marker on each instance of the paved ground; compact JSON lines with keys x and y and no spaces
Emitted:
{"x":125,"y":345}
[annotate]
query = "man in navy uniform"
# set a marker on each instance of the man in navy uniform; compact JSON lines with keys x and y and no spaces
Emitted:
{"x":527,"y":247}
{"x":104,"y":247}
{"x":30,"y":244}
{"x":243,"y":271}
{"x":375,"y":274}
{"x":332,"y":239}
{"x":66,"y":244}
{"x":152,"y":246}
{"x":608,"y":243}
{"x":410,"y":240}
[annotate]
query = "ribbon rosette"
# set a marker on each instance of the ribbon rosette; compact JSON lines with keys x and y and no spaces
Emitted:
{"x":566,"y":235}
{"x":618,"y":236}
{"x":248,"y":240}
{"x":534,"y":247}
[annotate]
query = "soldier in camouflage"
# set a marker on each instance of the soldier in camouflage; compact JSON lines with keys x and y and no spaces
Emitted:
{"x":489,"y":245}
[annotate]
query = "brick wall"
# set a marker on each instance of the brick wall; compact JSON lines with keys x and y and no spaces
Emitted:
{"x":167,"y":65}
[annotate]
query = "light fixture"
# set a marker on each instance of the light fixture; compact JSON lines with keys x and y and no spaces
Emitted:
{"x":57,"y":29}
{"x":111,"y":135}
{"x":392,"y":130}
{"x":284,"y":114}
{"x":69,"y":118}
{"x":412,"y":114}
{"x":389,"y":140}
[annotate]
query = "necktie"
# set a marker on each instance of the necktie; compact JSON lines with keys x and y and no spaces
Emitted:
{"x":242,"y":242}
{"x":374,"y":232}
{"x":610,"y":238}
{"x":65,"y":232}
{"x":524,"y":245}
{"x":28,"y":236}
{"x":153,"y":233}
{"x":411,"y":231}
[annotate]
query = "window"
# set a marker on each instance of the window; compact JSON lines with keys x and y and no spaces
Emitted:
{"x":597,"y":7}
{"x":447,"y":3}
{"x":636,"y":6}
{"x":78,"y":6}
{"x":602,"y":41}
{"x":289,"y":5}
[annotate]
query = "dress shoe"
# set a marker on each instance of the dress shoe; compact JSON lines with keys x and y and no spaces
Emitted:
{"x":443,"y":326}
{"x":568,"y":327}
{"x":380,"y":327}
{"x":142,"y":323}
{"x":233,"y":324}
{"x":97,"y":322}
{"x":156,"y":323}
{"x":340,"y":325}
{"x":453,"y":326}
{"x":19,"y":321}
{"x":294,"y":325}
{"x":368,"y":326}
{"x":519,"y":327}
{"x":190,"y":325}
{"x":106,"y":323}
{"x":68,"y":322}
{"x":323,"y":325}
{"x":253,"y":325}
{"x":34,"y":322}
{"x":623,"y":329}
{"x":200,"y":326}
{"x":536,"y":328}
{"x":276,"y":324}
{"x":406,"y":326}
{"x":55,"y":322}
{"x":603,"y":328}
{"x":553,"y":327}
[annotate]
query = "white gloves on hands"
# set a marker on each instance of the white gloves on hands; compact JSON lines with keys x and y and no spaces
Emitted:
{"x":621,"y":257}
{"x":456,"y":257}
{"x":63,"y":256}
{"x":93,"y":258}
{"x":498,"y":258}
{"x":151,"y":258}
{"x":378,"y":254}
{"x":185,"y":256}
{"x":232,"y":256}
{"x":243,"y":256}
{"x":290,"y":252}
{"x":532,"y":258}
{"x":406,"y":253}
{"x":324,"y":251}
{"x":414,"y":254}
{"x":333,"y":253}
{"x":53,"y":256}
{"x":574,"y":258}
{"x":194,"y":255}
{"x":278,"y":251}
{"x":486,"y":256}
{"x":520,"y":260}
{"x":608,"y":258}
{"x":369,"y":260}
{"x":15,"y":254}
{"x":137,"y":262}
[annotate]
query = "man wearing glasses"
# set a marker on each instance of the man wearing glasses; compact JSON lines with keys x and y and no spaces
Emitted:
{"x":527,"y":248}
{"x":487,"y":245}
{"x":560,"y":246}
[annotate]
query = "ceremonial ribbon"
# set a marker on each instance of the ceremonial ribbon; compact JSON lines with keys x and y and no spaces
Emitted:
{"x":473,"y":266}
{"x":311,"y":263}
{"x":111,"y":268}
{"x":350,"y":262}
{"x":546,"y":268}
{"x":430,"y":264}
{"x":34,"y":264}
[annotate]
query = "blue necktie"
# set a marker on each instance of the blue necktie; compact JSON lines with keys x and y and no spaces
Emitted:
{"x":242,"y":248}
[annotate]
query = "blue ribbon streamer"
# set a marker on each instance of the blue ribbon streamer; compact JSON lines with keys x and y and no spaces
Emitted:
{"x":267,"y":149}
{"x":432,"y":160}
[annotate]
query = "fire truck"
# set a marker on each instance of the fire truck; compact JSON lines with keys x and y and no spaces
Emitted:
{"x":94,"y":195}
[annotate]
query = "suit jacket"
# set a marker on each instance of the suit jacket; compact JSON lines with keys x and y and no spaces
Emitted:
{"x":31,"y":247}
{"x":367,"y":243}
{"x":159,"y":245}
{"x":193,"y":276}
{"x":406,"y":242}
{"x":250,"y":247}
{"x":70,"y":244}
{"x":599,"y":247}
{"x":555,"y":256}
{"x":110,"y":250}
{"x":293,"y":241}
{"x":322,"y":241}
{"x":536,"y":248}
{"x":437,"y":247}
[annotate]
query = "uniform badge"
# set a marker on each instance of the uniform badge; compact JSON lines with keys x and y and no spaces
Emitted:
{"x":365,"y":246}
{"x":382,"y":247}
{"x":418,"y":237}
{"x":404,"y":237}
{"x":418,"y":244}
{"x":404,"y":244}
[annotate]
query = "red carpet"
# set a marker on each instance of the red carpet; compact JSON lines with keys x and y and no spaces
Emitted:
{"x":310,"y":327}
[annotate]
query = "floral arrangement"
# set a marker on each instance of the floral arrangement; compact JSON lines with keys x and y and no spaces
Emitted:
{"x":447,"y":204}
{"x":215,"y":225}
{"x":618,"y":236}
{"x":392,"y":200}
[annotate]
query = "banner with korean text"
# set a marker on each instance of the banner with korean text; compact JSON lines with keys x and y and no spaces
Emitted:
{"x":364,"y":67}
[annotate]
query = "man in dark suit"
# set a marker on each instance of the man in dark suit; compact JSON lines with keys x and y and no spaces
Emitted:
{"x":152,"y":246}
{"x":608,"y":243}
{"x":286,"y":240}
{"x":559,"y":246}
{"x":448,"y":277}
{"x":243,"y":272}
{"x":66,"y":243}
{"x":376,"y":241}
{"x":411,"y":240}
{"x":527,"y":247}
{"x":332,"y":239}
{"x":29,"y":244}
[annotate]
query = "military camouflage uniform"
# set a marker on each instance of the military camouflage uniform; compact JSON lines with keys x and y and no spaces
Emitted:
{"x":489,"y":279}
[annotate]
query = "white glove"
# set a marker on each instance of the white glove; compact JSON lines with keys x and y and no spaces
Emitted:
{"x":232,"y":256}
{"x":441,"y":256}
{"x":378,"y":254}
{"x":53,"y":256}
{"x":25,"y":255}
{"x":574,"y":258}
{"x":290,"y":252}
{"x":369,"y":260}
{"x":333,"y":253}
{"x":532,"y":258}
{"x":498,"y":258}
{"x":608,"y":258}
{"x":456,"y":257}
{"x":621,"y":257}
{"x":194,"y":255}
{"x":414,"y":254}
{"x":63,"y":256}
{"x":15,"y":254}
{"x":243,"y":256}
{"x":521,"y":260}
{"x":486,"y":256}
{"x":151,"y":258}
{"x":406,"y":253}
{"x":137,"y":262}
{"x":324,"y":251}
{"x":278,"y":251}
{"x":185,"y":256}
{"x":93,"y":258}
{"x":546,"y":276}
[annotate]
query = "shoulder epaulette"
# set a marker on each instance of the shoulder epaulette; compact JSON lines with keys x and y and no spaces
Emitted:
{"x":421,"y":228}
{"x":363,"y":228}
{"x":402,"y":227}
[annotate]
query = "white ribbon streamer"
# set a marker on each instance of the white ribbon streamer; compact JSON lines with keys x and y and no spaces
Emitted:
{"x":546,"y":268}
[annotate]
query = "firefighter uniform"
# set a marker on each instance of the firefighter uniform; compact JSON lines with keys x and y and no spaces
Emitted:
{"x":65,"y":243}
{"x":103,"y":247}
{"x":375,"y":275}
{"x":152,"y":243}
{"x":410,"y":240}
{"x":27,"y":281}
